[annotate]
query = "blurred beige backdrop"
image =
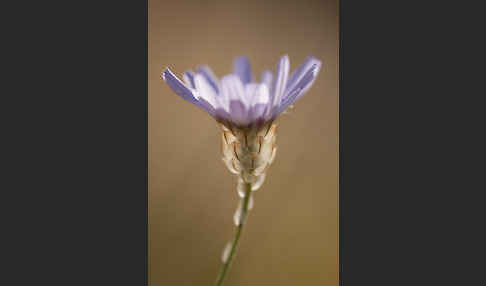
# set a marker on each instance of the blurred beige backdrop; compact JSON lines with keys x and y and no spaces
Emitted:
{"x":291,"y":237}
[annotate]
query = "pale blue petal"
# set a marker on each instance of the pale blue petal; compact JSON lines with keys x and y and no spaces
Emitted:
{"x":188,"y":78}
{"x":178,"y":87}
{"x":304,"y":83}
{"x":267,"y":77}
{"x":261,"y":95}
{"x":204,"y":89}
{"x":241,"y":67}
{"x":259,"y":104}
{"x":210,"y":77}
{"x":307,"y":85}
{"x":298,"y":74}
{"x":185,"y":92}
{"x":239,"y":113}
{"x":233,"y":89}
{"x":278,"y":87}
{"x":250,"y":91}
{"x":257,"y":112}
{"x":206,"y":106}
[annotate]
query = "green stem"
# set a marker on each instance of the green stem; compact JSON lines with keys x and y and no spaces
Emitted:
{"x":239,"y":228}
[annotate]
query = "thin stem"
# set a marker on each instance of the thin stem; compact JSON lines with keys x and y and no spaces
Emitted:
{"x":239,"y":228}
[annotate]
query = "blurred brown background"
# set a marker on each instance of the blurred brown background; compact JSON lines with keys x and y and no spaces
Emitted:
{"x":291,"y":237}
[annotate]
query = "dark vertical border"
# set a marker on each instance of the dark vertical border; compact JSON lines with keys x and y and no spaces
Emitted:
{"x":368,"y":209}
{"x":408,"y":215}
{"x":75,"y":193}
{"x":341,"y":182}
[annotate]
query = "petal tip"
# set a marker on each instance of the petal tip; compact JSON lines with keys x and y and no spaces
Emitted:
{"x":285,"y":57}
{"x":242,"y":58}
{"x":316,"y":62}
{"x":164,"y":73}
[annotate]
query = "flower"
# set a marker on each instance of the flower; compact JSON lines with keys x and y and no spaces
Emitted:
{"x":246,"y":110}
{"x":240,"y":101}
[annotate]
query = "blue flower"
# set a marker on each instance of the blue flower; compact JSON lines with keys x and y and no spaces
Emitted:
{"x":238,"y":99}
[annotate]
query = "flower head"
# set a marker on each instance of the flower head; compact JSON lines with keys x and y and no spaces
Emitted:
{"x":238,"y":99}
